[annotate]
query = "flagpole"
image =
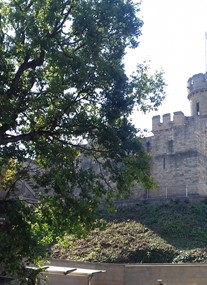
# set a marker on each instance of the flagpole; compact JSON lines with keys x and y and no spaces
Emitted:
{"x":205,"y":52}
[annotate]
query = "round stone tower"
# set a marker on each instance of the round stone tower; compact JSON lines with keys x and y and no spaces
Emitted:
{"x":197,"y":94}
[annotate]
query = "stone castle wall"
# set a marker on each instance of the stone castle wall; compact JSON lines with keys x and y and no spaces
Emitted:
{"x":179,"y":146}
{"x":179,"y":152}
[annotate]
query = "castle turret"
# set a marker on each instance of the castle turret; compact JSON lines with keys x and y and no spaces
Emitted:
{"x":197,"y":94}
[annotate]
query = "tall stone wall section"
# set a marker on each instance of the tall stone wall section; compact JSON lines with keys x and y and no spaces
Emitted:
{"x":179,"y":153}
{"x":179,"y":146}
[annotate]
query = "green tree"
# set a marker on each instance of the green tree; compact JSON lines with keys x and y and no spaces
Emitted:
{"x":66,"y":100}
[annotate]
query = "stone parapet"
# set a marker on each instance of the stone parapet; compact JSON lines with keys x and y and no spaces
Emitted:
{"x":178,"y":118}
{"x":167,"y":123}
{"x":156,"y":124}
{"x":197,"y":94}
{"x":197,"y":83}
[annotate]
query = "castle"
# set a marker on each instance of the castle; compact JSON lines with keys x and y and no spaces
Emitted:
{"x":179,"y":147}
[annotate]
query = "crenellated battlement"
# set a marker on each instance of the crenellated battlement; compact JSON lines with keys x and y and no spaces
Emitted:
{"x":179,"y":144}
{"x":197,"y":83}
{"x":197,"y":94}
{"x":162,"y":123}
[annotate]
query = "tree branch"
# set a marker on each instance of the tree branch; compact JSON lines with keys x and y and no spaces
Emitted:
{"x":58,"y":26}
{"x":12,"y":139}
{"x":37,"y":62}
{"x":26,"y":65}
{"x":19,"y":72}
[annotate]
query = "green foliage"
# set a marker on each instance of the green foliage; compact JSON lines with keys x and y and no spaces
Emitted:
{"x":20,"y":243}
{"x":152,"y":233}
{"x":66,"y":99}
{"x":119,"y":242}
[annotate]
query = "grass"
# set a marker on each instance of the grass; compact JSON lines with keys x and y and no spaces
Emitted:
{"x":152,"y":233}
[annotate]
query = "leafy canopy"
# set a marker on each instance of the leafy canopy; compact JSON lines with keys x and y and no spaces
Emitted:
{"x":64,"y":115}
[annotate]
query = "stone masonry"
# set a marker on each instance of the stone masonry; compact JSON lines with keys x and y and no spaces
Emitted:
{"x":179,"y":146}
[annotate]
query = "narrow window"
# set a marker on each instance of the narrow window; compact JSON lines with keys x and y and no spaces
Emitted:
{"x":148,"y":146}
{"x":197,"y":109}
{"x":164,"y":163}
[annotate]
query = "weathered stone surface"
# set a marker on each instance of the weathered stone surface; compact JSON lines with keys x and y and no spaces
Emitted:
{"x":179,"y":146}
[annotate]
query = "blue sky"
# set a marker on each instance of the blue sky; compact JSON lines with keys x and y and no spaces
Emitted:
{"x":173,"y":39}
